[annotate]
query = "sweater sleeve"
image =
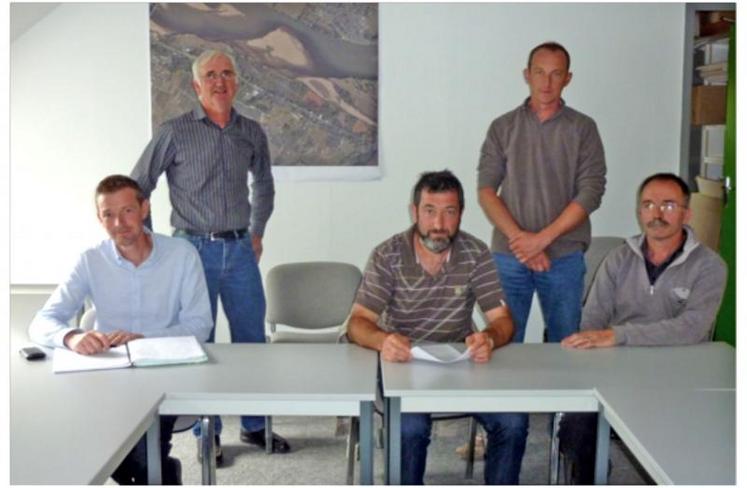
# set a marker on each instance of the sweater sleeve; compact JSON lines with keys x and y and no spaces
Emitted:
{"x":492,"y":166}
{"x":600,"y":304}
{"x":693,"y":324}
{"x":590,"y":177}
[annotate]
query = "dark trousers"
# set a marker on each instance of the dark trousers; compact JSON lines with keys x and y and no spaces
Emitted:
{"x":578,"y":443}
{"x":133,"y":470}
{"x":507,"y":437}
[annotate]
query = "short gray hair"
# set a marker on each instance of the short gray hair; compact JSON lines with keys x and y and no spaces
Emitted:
{"x":207,"y":56}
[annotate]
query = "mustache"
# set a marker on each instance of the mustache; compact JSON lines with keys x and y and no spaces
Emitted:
{"x":657,"y":223}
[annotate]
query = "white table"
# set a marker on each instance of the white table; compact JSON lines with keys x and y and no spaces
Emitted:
{"x":71,"y":428}
{"x":280,"y":379}
{"x":549,"y":378}
{"x":76,"y":428}
{"x":678,"y":436}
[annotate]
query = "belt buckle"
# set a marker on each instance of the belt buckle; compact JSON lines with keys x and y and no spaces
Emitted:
{"x":212,"y":236}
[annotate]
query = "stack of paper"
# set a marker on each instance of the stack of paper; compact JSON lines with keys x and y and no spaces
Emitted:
{"x":166,"y":350}
{"x":713,"y":74}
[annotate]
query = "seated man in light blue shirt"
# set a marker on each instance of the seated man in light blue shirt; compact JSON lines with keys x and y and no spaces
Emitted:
{"x":142,"y":285}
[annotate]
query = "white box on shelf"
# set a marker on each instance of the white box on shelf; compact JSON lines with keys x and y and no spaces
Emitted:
{"x":717,"y":52}
{"x":712,"y":168}
{"x":712,"y":142}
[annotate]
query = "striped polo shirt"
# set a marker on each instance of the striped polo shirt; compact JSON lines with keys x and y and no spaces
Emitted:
{"x":422,"y":307}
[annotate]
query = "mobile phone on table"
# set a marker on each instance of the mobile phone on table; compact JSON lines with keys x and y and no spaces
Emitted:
{"x":32,"y":353}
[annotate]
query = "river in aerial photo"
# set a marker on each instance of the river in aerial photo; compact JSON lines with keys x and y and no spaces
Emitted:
{"x":308,"y":73}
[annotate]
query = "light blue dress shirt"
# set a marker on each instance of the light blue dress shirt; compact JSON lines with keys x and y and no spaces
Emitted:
{"x":165,"y":296}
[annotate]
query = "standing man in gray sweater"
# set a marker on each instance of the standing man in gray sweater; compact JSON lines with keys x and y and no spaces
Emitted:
{"x":660,"y":288}
{"x":541,"y":174}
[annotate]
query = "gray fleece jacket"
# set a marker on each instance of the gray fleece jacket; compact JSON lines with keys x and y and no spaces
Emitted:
{"x":679,"y":308}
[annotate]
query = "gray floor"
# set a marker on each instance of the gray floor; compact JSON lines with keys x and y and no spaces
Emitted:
{"x":318,"y":456}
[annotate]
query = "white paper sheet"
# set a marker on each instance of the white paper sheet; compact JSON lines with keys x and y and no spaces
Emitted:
{"x":66,"y":361}
{"x":439,"y":353}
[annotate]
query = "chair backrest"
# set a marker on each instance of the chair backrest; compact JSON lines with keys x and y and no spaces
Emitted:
{"x":598,"y":250}
{"x":312,"y":295}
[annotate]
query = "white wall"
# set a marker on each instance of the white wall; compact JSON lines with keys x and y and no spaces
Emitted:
{"x":80,"y":110}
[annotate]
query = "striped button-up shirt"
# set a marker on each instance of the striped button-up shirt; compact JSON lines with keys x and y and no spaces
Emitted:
{"x":207,"y":169}
{"x":429,"y":308}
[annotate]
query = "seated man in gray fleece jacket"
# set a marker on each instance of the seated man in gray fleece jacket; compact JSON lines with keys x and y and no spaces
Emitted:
{"x":660,"y":288}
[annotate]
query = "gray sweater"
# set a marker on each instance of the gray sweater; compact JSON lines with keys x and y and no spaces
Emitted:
{"x":679,"y":308}
{"x":540,"y":168}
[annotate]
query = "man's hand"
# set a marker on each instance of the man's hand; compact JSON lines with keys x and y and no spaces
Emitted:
{"x":257,"y":247}
{"x":119,"y":337}
{"x":539,"y":263}
{"x":526,"y":245}
{"x":480,"y":346}
{"x":89,"y":342}
{"x":396,"y":348}
{"x":589,"y":339}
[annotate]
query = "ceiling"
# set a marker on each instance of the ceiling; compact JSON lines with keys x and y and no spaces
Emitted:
{"x":23,"y":16}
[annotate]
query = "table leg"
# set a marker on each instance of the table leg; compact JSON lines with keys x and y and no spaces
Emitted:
{"x":394,"y":436}
{"x":268,"y":435}
{"x":603,"y":449}
{"x":555,"y":448}
{"x":207,"y":437}
{"x":153,"y":448}
{"x":365,"y":443}
{"x":385,"y":430}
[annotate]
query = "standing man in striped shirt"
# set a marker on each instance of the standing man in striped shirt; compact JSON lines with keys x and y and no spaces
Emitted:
{"x":207,"y":155}
{"x":422,"y":285}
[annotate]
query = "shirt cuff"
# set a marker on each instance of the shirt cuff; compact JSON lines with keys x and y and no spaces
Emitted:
{"x":59,"y":338}
{"x":620,"y":339}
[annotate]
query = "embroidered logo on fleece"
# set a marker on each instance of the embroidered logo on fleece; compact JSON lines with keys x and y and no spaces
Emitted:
{"x":681,"y":294}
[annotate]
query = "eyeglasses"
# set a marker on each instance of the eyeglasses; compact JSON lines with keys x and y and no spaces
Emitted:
{"x":664,"y":207}
{"x":225,"y":75}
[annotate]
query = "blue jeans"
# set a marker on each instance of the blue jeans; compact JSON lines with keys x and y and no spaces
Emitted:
{"x":560,"y":292}
{"x":507,"y":439}
{"x":231,"y":271}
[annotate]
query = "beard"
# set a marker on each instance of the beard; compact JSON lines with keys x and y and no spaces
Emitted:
{"x":436,"y":242}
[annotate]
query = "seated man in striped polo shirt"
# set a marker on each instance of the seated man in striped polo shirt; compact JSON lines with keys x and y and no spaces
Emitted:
{"x":421,"y":285}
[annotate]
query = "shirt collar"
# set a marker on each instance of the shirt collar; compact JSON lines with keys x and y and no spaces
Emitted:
{"x":124,"y":262}
{"x":671,"y":258}
{"x":557,"y":114}
{"x":199,"y":114}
